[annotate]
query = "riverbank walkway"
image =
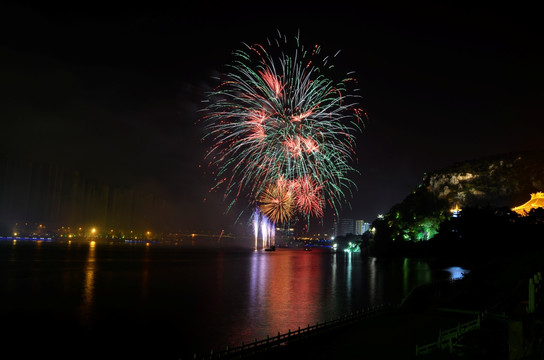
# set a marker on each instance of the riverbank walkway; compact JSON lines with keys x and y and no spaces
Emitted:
{"x":389,"y":336}
{"x":389,"y":333}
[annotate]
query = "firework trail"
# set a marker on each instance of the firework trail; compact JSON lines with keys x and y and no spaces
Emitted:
{"x":282,"y":132}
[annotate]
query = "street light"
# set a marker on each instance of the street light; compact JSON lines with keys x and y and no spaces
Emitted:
{"x":93,"y":234}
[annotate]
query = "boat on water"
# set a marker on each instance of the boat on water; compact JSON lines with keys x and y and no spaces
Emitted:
{"x":272,"y":248}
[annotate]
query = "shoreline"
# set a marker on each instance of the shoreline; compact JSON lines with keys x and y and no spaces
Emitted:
{"x":498,"y":288}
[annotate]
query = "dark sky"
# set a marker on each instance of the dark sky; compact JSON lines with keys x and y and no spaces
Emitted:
{"x":113,"y":91}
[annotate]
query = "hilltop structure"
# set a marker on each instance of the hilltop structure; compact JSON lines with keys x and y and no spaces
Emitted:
{"x":537,"y":201}
{"x":492,"y":182}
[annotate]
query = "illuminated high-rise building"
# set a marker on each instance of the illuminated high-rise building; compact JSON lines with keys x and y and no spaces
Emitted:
{"x":361,"y":227}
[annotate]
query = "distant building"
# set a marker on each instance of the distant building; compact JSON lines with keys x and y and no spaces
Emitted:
{"x":455,"y":211}
{"x":334,"y":230}
{"x":361,"y":227}
{"x":346,"y":227}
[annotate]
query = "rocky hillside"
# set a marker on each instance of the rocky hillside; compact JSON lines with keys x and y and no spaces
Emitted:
{"x":499,"y":181}
{"x":502,"y":181}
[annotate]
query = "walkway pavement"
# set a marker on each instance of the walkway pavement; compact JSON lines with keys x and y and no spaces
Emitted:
{"x":392,"y":336}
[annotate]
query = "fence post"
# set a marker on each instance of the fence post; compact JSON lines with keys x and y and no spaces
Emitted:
{"x":538,"y":285}
{"x":531,"y":296}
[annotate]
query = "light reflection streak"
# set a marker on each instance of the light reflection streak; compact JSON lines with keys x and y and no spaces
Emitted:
{"x":405,"y":277}
{"x":145,"y":274}
{"x":37,"y":253}
{"x":304,"y":289}
{"x":89,"y":285}
{"x":280,"y":301}
{"x":415,"y":273}
{"x":333,"y":279}
{"x":257,"y":292}
{"x":348,"y":276}
{"x":254,"y":282}
{"x":372,"y":280}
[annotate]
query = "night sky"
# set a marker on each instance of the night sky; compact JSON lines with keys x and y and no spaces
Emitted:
{"x":113,"y":91}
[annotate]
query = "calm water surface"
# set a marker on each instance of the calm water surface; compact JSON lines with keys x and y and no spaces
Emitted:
{"x":133,"y":301}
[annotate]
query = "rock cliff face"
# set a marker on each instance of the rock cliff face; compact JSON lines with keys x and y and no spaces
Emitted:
{"x":495,"y":182}
{"x":504,"y":180}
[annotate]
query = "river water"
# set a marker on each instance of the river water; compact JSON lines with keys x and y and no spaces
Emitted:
{"x":166,"y":302}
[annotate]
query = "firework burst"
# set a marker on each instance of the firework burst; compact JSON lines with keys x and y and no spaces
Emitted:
{"x":275,"y":118}
{"x":276,"y":202}
{"x":307,"y":197}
